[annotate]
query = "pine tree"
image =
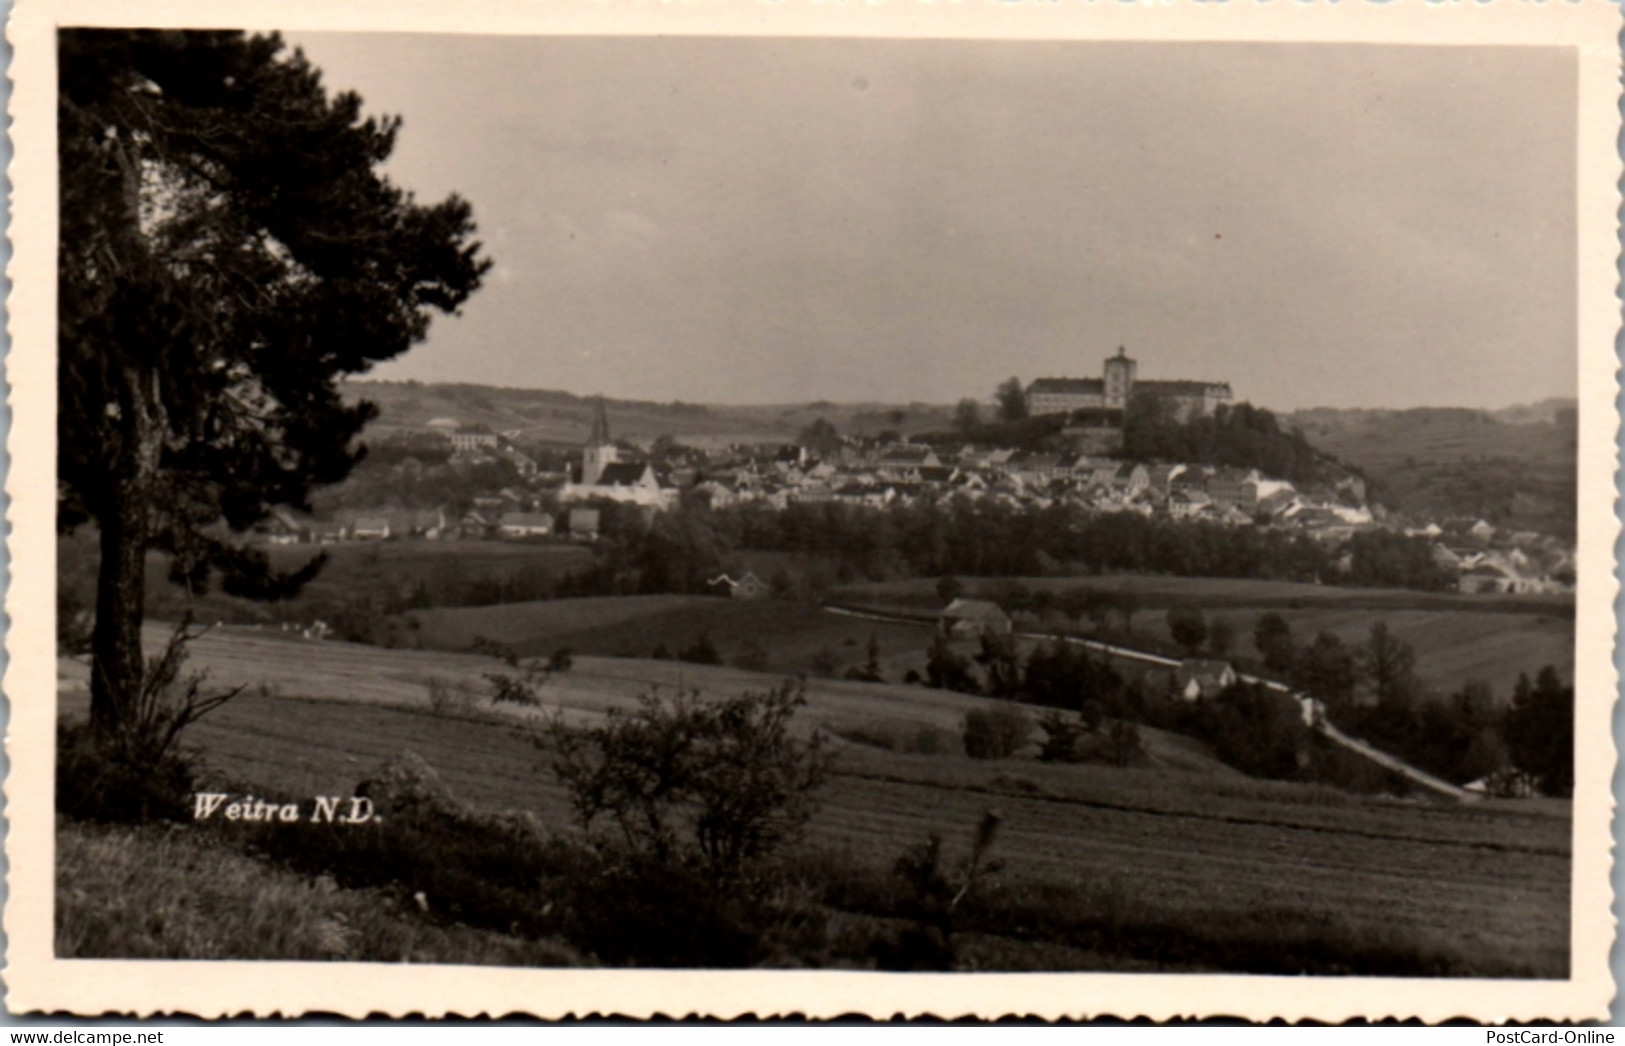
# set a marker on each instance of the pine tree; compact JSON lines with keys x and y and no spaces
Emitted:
{"x":229,"y":251}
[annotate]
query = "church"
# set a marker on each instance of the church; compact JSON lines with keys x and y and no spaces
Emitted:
{"x":1117,"y":386}
{"x":604,"y":475}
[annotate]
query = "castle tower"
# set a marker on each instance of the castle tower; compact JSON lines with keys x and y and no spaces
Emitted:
{"x":599,"y":451}
{"x":1120,"y":371}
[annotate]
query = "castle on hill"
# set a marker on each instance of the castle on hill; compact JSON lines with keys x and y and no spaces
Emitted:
{"x":1116,"y":388}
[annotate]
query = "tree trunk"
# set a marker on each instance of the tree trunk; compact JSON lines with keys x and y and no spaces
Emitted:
{"x":117,"y":664}
{"x":116,"y":653}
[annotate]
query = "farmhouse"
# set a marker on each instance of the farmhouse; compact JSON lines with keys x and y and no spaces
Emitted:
{"x":747,"y":587}
{"x":969,"y":618}
{"x":583,"y":524}
{"x":520,"y":525}
{"x":370,"y":528}
{"x":1196,"y":679}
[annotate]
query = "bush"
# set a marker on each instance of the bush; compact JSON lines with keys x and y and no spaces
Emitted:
{"x":1062,"y":737}
{"x":629,"y":909}
{"x":449,"y":696}
{"x":522,"y":689}
{"x":997,"y":732}
{"x":1123,"y":744}
{"x":935,"y":892}
{"x":946,"y":670}
{"x":137,"y":770}
{"x":687,"y":782}
{"x":703,"y":652}
{"x":563,"y":660}
{"x":100,"y":782}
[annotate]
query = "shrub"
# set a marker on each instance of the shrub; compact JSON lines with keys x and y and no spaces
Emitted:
{"x":1062,"y":736}
{"x":138,"y":771}
{"x":935,"y":893}
{"x":492,"y":648}
{"x":703,"y":652}
{"x":99,"y":782}
{"x":449,"y":696}
{"x":1123,"y":744}
{"x":717,"y":784}
{"x":997,"y":732}
{"x":946,"y":670}
{"x":521,"y":689}
{"x":562,"y":660}
{"x":627,"y":908}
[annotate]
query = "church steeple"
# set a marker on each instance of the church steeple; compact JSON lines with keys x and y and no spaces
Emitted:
{"x":600,"y":450}
{"x":599,"y":437}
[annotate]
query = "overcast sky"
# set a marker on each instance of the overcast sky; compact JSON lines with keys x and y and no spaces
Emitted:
{"x":748,"y":220}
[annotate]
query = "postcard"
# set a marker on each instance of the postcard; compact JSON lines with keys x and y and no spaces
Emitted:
{"x":905,"y":507}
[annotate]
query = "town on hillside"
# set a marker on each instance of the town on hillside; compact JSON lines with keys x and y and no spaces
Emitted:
{"x":495,"y":486}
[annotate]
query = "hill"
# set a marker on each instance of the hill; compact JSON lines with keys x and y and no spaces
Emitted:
{"x":548,"y":416}
{"x":1515,"y":468}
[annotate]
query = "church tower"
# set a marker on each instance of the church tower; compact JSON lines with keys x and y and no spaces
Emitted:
{"x":1120,"y":370}
{"x":599,"y":451}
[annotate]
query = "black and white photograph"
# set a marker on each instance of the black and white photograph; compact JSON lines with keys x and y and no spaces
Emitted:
{"x":871,"y":504}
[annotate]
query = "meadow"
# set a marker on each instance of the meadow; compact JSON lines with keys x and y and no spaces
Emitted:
{"x":790,"y":635}
{"x":1182,"y":846}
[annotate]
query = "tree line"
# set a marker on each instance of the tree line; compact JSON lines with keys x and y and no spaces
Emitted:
{"x":677,"y":551}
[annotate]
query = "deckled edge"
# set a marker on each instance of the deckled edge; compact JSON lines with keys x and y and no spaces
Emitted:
{"x":37,"y":982}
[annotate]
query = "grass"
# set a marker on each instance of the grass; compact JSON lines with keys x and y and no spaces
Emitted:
{"x":377,"y":570}
{"x":1198,"y":846}
{"x":174,"y":893}
{"x":793,"y":634}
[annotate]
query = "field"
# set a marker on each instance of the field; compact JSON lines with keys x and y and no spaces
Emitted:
{"x":376,"y":570}
{"x":1452,"y":462}
{"x":790,"y":634}
{"x":1178,"y":842}
{"x":1456,"y":637}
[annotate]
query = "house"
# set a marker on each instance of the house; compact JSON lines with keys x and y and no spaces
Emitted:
{"x":521,"y":525}
{"x":1130,"y":479}
{"x":715,"y":493}
{"x":1233,"y":487}
{"x":583,"y":524}
{"x":906,"y":455}
{"x":969,"y":618}
{"x":1159,"y":478}
{"x":327,"y":532}
{"x":468,"y":442}
{"x":1184,"y":504}
{"x":424,"y":523}
{"x":747,"y":587}
{"x":370,"y":528}
{"x":1197,"y":679}
{"x":476,"y":523}
{"x":282,"y":527}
